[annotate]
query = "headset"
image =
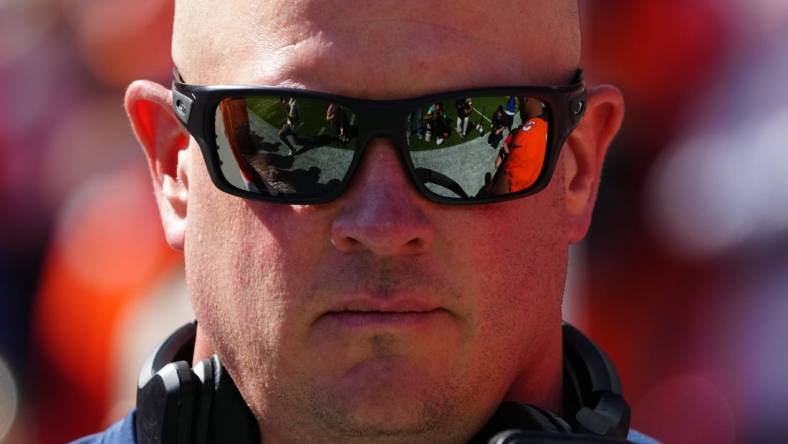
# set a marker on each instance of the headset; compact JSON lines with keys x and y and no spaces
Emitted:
{"x":178,"y":404}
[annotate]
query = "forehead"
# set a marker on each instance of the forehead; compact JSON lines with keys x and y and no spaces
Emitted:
{"x":376,"y":49}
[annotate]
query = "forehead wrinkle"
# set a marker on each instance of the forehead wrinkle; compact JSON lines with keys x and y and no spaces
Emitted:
{"x":213,"y":42}
{"x":442,"y":58}
{"x":449,"y":46}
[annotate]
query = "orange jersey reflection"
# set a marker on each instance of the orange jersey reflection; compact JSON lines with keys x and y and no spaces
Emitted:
{"x":526,"y":154}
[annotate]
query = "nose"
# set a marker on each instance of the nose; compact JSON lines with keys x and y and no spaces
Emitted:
{"x":381,"y":212}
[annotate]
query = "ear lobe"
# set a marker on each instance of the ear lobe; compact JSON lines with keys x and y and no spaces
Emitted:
{"x":164,"y":142}
{"x":584,"y":154}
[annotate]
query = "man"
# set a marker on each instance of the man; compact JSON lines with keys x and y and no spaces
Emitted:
{"x":336,"y":116}
{"x":378,"y":315}
{"x":511,"y":107}
{"x":435,"y":123}
{"x":524,"y":149}
{"x":497,"y":124}
{"x":464,"y":108}
{"x":291,"y":120}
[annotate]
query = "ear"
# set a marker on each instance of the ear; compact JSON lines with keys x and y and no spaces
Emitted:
{"x":164,"y":142}
{"x":584,"y":154}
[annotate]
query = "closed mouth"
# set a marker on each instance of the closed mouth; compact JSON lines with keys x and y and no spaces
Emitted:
{"x":391,"y":318}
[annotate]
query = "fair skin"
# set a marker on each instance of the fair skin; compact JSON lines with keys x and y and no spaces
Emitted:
{"x":273,"y":286}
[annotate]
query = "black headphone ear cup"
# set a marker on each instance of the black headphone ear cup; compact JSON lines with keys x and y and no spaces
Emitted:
{"x":594,"y":388}
{"x":206,"y":373}
{"x":176,"y":403}
{"x":538,"y":419}
{"x":605,"y":418}
{"x":556,"y":423}
{"x":513,"y":416}
{"x":231,"y":420}
{"x":165,"y":405}
{"x":188,"y":396}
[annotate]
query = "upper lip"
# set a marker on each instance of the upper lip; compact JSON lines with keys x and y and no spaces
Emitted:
{"x":384,"y":305}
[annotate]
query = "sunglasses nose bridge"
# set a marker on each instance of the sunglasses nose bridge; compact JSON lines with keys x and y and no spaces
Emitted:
{"x":383,"y":122}
{"x":389,"y":124}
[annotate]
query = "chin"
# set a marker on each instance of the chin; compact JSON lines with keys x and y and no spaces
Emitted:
{"x":385,"y":397}
{"x":406,"y":421}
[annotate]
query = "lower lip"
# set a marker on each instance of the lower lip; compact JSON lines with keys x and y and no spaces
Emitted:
{"x":372,"y":319}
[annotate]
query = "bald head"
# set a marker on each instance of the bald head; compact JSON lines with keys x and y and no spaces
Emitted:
{"x":376,"y":49}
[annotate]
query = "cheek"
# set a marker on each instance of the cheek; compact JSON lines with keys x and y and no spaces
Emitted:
{"x":240,"y":263}
{"x":511,"y":258}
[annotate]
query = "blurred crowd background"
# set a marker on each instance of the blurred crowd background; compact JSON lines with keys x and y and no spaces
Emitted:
{"x":682,"y":280}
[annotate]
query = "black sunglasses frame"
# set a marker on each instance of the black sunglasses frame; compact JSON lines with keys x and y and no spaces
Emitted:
{"x":195,"y":106}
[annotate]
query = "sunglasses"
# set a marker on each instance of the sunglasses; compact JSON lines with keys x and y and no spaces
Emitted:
{"x":298,"y":146}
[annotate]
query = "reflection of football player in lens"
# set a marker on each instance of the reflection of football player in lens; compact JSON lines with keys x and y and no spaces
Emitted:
{"x":523,"y":151}
{"x":511,"y":106}
{"x":435,"y":122}
{"x":464,"y":108}
{"x":338,"y":119}
{"x":288,"y":129}
{"x":497,"y":124}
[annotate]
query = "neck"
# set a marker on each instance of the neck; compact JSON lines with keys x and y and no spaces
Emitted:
{"x":540,"y":382}
{"x":202,"y":347}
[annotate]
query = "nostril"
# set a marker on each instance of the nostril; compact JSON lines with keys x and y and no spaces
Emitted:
{"x":345,"y":244}
{"x":414,"y":243}
{"x":383,"y":228}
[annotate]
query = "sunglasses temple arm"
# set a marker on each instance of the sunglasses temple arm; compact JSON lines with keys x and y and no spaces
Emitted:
{"x":176,"y":75}
{"x":578,"y":77}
